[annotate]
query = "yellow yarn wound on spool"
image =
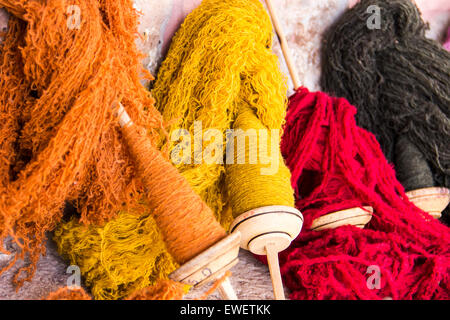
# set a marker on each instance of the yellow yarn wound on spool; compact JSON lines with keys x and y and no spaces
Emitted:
{"x":220,"y":70}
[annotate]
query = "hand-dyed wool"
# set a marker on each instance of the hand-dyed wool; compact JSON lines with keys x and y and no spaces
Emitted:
{"x":116,"y":258}
{"x":163,"y":290}
{"x":221,"y":68}
{"x":337,"y":165}
{"x":206,"y":78}
{"x":398,"y":79}
{"x":58,"y":140}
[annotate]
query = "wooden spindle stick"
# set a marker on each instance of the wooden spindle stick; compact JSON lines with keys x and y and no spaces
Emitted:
{"x":274,"y":268}
{"x":213,"y":262}
{"x":284,"y":45}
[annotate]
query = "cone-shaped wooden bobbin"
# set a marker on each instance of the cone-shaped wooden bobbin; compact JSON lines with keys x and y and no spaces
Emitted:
{"x":209,"y":265}
{"x":268,"y":231}
{"x":433,"y":200}
{"x":358,"y":217}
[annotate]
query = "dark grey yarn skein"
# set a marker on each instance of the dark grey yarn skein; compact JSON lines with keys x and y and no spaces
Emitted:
{"x":400,"y":82}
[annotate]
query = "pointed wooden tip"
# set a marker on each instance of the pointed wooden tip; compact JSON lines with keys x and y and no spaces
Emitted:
{"x":226,"y":290}
{"x":274,"y":268}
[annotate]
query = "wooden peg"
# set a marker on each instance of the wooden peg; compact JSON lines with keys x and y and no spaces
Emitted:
{"x":268,"y":231}
{"x":284,"y":45}
{"x":358,"y":217}
{"x":433,"y":200}
{"x":211,"y":265}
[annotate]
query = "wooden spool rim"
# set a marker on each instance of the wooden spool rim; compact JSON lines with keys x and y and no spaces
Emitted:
{"x":432,"y":200}
{"x":413,"y":194}
{"x":357,"y":216}
{"x":211,"y":263}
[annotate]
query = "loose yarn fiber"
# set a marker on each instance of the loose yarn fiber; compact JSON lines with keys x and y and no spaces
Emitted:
{"x":337,"y":165}
{"x":68,"y":294}
{"x":58,"y":140}
{"x":187,"y":224}
{"x":398,"y":79}
{"x":220,"y":70}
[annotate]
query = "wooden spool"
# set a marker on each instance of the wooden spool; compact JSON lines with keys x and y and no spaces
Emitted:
{"x":358,"y":217}
{"x":210,"y":264}
{"x":433,"y":200}
{"x":268,"y":231}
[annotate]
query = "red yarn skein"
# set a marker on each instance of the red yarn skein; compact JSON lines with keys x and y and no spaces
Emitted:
{"x":337,"y":165}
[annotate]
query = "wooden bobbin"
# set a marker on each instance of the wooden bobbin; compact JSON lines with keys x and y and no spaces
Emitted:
{"x":358,"y":217}
{"x":268,"y":231}
{"x":211,"y":265}
{"x":432,"y":200}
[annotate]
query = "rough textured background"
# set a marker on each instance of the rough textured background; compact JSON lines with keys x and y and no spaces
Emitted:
{"x":303,"y":21}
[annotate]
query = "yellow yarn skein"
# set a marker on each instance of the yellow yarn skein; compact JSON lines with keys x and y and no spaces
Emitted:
{"x":220,"y":70}
{"x":221,"y":62}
